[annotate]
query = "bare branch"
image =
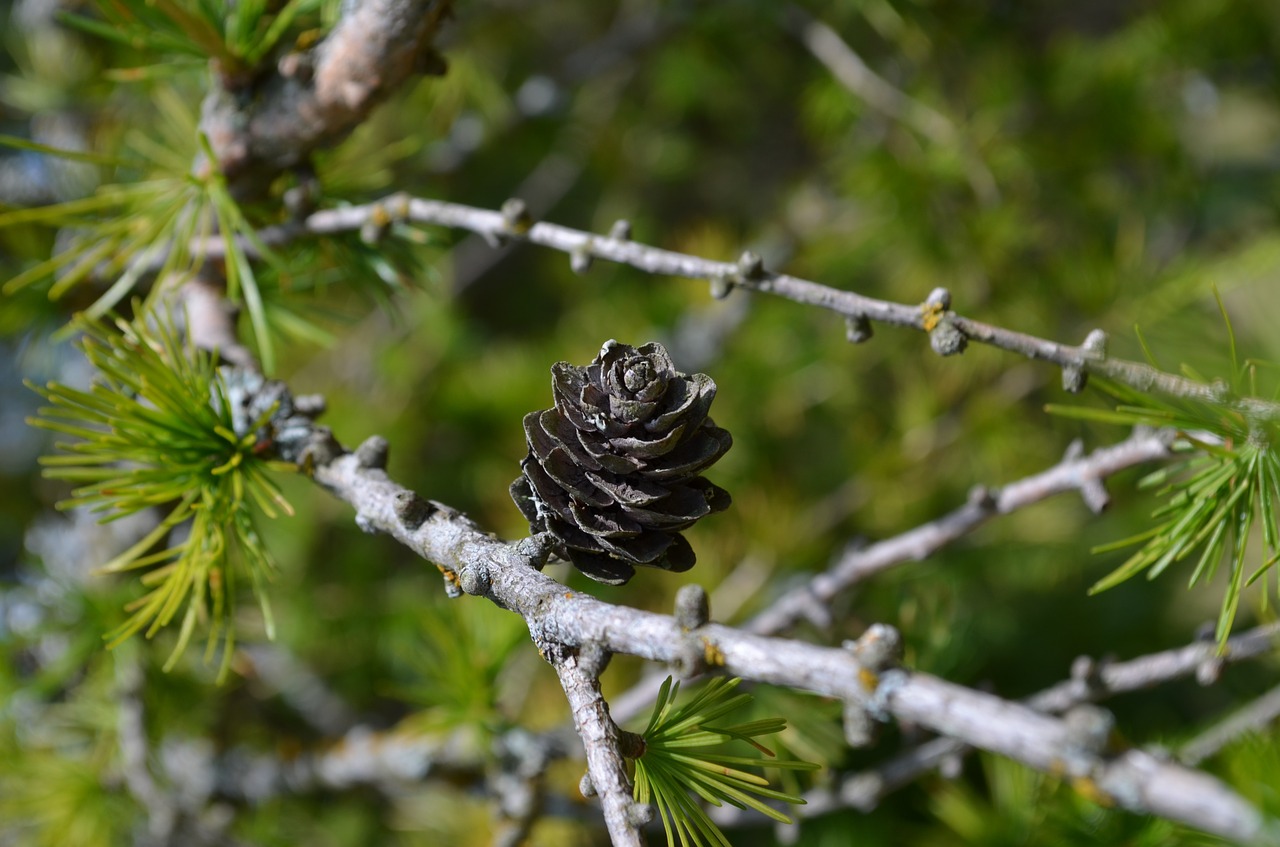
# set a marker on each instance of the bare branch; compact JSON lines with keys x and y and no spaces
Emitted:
{"x":1133,"y":780}
{"x":1089,"y":357}
{"x":508,"y":574}
{"x":1252,"y":718}
{"x":1073,"y":473}
{"x":600,"y":738}
{"x":1090,"y":681}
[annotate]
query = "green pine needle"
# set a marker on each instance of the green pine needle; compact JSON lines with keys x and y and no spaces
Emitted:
{"x":1227,"y":483}
{"x":156,"y":430}
{"x":684,"y":755}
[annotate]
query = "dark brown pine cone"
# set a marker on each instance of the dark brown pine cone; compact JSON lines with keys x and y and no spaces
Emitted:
{"x":612,"y":470}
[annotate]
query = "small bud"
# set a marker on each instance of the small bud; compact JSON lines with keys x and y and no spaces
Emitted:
{"x":580,"y":259}
{"x":1074,"y":379}
{"x":586,"y":786}
{"x":322,"y":448}
{"x":860,"y":728}
{"x":1089,"y":727}
{"x":721,"y":286}
{"x":373,"y":452}
{"x":411,"y":509}
{"x":946,"y":338}
{"x":1095,"y":343}
{"x":857,"y":328}
{"x":515,"y":216}
{"x":984,"y":497}
{"x":693,"y":609}
{"x":939,"y":298}
{"x":750,"y":265}
{"x":878,"y":648}
{"x":309,"y":405}
{"x":1210,"y":671}
{"x":475,"y":579}
{"x":621,"y":230}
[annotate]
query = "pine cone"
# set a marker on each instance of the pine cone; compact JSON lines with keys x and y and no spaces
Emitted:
{"x":612,"y":470}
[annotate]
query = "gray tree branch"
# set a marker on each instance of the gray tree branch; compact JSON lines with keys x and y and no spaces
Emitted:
{"x":508,"y":574}
{"x":949,"y":331}
{"x":318,"y":96}
{"x":600,"y":739}
{"x":1075,"y":472}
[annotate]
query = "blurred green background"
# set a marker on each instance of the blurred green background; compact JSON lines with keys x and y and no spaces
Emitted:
{"x":1084,"y":165}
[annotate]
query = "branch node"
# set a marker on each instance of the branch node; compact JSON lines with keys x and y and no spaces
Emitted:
{"x":593,"y":658}
{"x":536,"y":549}
{"x":1074,"y":451}
{"x":321,"y":448}
{"x":309,"y":405}
{"x":1095,"y":495}
{"x":372,"y":453}
{"x":586,"y":786}
{"x":857,"y":328}
{"x":377,"y":225}
{"x":1089,"y":728}
{"x":1210,"y":670}
{"x":639,"y":814}
{"x":621,"y":230}
{"x":366,"y":524}
{"x":877,"y":649}
{"x":721,"y":286}
{"x":860,"y":728}
{"x":1095,"y":344}
{"x":690,"y":659}
{"x":452,"y":584}
{"x":411,"y":509}
{"x":475,"y":579}
{"x":693,"y":608}
{"x":750,"y":265}
{"x":580,"y":258}
{"x":984,"y":497}
{"x":1087,"y":670}
{"x":515,"y":216}
{"x":946,"y":338}
{"x":1074,"y":379}
{"x":939,"y":300}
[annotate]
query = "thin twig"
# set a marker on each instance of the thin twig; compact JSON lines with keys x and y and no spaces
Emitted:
{"x":1091,"y":681}
{"x":925,"y":317}
{"x":600,"y":738}
{"x":1074,"y":473}
{"x":854,"y":74}
{"x":559,"y":618}
{"x":1252,"y":718}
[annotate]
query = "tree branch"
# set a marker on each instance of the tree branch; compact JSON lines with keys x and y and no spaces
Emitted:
{"x":1252,"y":718}
{"x":948,"y":331}
{"x":1074,"y":473}
{"x":600,"y":738}
{"x":319,"y":96}
{"x":1090,"y":681}
{"x":477,"y":563}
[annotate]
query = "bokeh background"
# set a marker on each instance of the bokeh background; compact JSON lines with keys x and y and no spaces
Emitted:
{"x":1059,"y":167}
